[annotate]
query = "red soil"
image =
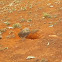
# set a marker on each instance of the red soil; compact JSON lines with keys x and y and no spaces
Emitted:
{"x":46,"y":43}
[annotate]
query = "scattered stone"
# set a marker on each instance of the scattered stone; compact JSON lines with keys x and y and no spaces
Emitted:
{"x":0,"y":37}
{"x":30,"y":57}
{"x":48,"y":44}
{"x":10,"y":27}
{"x":43,"y":17}
{"x":53,"y":36}
{"x":51,"y":25}
{"x":51,"y":6}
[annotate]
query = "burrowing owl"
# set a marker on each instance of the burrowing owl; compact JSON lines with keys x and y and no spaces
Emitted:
{"x":24,"y":33}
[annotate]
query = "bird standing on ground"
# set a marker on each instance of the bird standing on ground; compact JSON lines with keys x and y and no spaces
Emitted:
{"x":24,"y":33}
{"x":27,"y":33}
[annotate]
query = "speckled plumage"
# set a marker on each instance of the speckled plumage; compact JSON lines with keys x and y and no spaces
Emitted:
{"x":24,"y":33}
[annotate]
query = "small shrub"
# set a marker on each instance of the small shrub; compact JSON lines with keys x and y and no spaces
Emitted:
{"x":17,"y":25}
{"x":1,"y":49}
{"x":2,"y":30}
{"x":30,"y":6}
{"x":22,"y":20}
{"x":44,"y":60}
{"x":7,"y":23}
{"x":46,"y":15}
{"x":29,"y":20}
{"x":23,"y":8}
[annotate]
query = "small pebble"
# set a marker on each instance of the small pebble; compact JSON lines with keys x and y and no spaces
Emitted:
{"x":48,"y":44}
{"x":10,"y":27}
{"x":43,"y":17}
{"x":51,"y":25}
{"x":30,"y":57}
{"x":0,"y":37}
{"x":51,"y":6}
{"x":53,"y":36}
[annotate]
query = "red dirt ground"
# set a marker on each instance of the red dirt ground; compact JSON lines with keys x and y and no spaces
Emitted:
{"x":47,"y":42}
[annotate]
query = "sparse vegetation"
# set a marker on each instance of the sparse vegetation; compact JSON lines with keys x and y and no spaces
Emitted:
{"x":44,"y":60}
{"x":2,"y":30}
{"x":22,"y":20}
{"x":7,"y":23}
{"x":1,"y":49}
{"x":11,"y":36}
{"x":29,"y":20}
{"x":46,"y":15}
{"x":17,"y":25}
{"x":30,"y":6}
{"x":23,"y":8}
{"x":30,"y":31}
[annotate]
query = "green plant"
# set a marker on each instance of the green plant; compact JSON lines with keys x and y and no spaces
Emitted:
{"x":2,"y":30}
{"x":13,"y":9}
{"x":7,"y":23}
{"x":30,"y":6}
{"x":44,"y":60}
{"x":1,"y":49}
{"x":29,"y":20}
{"x":46,"y":15}
{"x":22,"y":20}
{"x":16,"y":25}
{"x":23,"y":8}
